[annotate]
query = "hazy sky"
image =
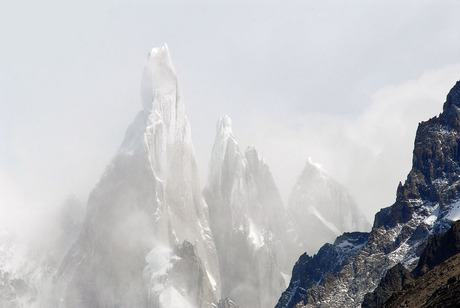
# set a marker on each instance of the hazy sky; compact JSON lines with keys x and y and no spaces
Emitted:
{"x":345,"y":82}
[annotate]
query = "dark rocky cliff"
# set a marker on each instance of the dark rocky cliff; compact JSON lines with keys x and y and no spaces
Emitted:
{"x":440,"y":287}
{"x":426,"y":204}
{"x":395,"y":279}
{"x":315,"y":270}
{"x":440,"y":248}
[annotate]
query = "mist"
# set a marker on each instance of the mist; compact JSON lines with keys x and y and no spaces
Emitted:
{"x":67,"y":95}
{"x":343,"y":83}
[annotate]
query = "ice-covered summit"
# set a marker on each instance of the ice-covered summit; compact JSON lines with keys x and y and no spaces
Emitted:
{"x":224,"y":123}
{"x":453,"y":98}
{"x":224,"y":127}
{"x":159,"y":78}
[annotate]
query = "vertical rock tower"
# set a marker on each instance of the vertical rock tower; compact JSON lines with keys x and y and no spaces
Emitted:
{"x":146,"y":240}
{"x":249,"y":222}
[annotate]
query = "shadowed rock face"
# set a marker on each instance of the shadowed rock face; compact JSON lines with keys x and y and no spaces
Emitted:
{"x":188,"y":273}
{"x":435,"y":165}
{"x":317,"y":269}
{"x":395,"y":279}
{"x":426,"y":204}
{"x":440,"y":248}
{"x":438,"y":273}
{"x":439,"y":287}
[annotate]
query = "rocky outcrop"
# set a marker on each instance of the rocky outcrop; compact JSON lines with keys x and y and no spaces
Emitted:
{"x":327,"y":263}
{"x":439,"y":248}
{"x":171,"y":271}
{"x":395,"y":279}
{"x":439,"y":287}
{"x":226,"y":303}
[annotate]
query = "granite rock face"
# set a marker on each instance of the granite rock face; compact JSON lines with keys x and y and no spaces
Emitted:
{"x":437,"y":274}
{"x":439,"y":287}
{"x":395,"y":280}
{"x":440,"y":247}
{"x":257,"y":238}
{"x":329,"y":260}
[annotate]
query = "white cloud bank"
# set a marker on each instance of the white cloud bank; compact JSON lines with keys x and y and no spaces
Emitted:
{"x":369,"y":154}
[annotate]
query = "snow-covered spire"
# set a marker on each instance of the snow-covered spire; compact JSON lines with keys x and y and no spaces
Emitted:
{"x":252,"y":156}
{"x":159,"y":76}
{"x":248,"y":220}
{"x":224,"y":126}
{"x":163,"y":116}
{"x":312,"y":163}
{"x":251,"y":149}
{"x":225,"y":148}
{"x":151,"y":199}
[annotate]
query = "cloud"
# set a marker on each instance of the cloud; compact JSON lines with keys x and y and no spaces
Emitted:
{"x":369,"y":153}
{"x":68,"y":93}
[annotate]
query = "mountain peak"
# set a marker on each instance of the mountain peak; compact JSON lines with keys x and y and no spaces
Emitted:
{"x":151,"y":201}
{"x":326,"y":204}
{"x":155,"y":51}
{"x":255,"y":162}
{"x":224,"y":127}
{"x":451,"y":109}
{"x":224,"y":123}
{"x":310,"y":163}
{"x":159,"y":77}
{"x":251,"y":150}
{"x":453,"y":98}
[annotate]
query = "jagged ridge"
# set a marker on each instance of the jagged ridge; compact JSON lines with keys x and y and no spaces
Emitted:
{"x":440,"y":248}
{"x":425,"y":205}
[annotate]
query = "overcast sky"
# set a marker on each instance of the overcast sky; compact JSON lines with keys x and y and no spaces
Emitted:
{"x":345,"y":82}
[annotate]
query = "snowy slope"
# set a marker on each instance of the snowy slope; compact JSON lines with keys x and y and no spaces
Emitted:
{"x":29,"y":261}
{"x":322,"y":209}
